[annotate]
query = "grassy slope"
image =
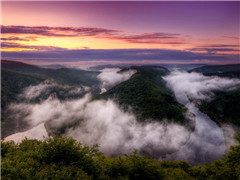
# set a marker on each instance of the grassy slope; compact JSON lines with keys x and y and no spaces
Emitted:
{"x":147,"y":94}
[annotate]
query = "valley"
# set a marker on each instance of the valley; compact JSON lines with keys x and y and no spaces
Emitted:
{"x":148,"y":96}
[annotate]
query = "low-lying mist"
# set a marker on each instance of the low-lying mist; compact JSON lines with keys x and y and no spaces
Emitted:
{"x":47,"y":88}
{"x":101,"y":122}
{"x":207,"y":142}
{"x":112,"y":76}
{"x":196,"y":86}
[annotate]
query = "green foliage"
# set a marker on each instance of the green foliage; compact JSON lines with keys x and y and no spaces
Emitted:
{"x":15,"y":76}
{"x":225,"y":107}
{"x":12,"y":83}
{"x":65,"y":158}
{"x":63,"y":75}
{"x":147,"y":94}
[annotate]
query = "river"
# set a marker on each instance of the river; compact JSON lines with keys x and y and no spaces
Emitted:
{"x":206,"y":142}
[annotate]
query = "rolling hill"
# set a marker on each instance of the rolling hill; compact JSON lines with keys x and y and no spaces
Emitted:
{"x":228,"y":74}
{"x":224,"y":108}
{"x":62,"y":75}
{"x":13,"y":82}
{"x":216,"y":69}
{"x":15,"y":76}
{"x":147,"y":95}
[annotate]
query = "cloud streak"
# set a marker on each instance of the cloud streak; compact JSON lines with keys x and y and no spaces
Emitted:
{"x":15,"y":38}
{"x":231,"y":37}
{"x":214,"y":50}
{"x":6,"y":45}
{"x":152,"y":38}
{"x":57,"y":31}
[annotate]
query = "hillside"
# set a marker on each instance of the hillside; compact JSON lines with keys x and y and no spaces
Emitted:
{"x":13,"y":82}
{"x":217,"y":68}
{"x":229,"y":74}
{"x":224,"y":108}
{"x":63,"y":75}
{"x":147,"y":95}
{"x":61,"y":83}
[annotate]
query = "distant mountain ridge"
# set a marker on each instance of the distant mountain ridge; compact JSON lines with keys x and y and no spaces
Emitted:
{"x":216,"y":68}
{"x":63,"y":75}
{"x":15,"y":76}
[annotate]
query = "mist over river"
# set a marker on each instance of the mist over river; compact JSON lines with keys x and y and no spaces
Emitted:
{"x":118,"y":132}
{"x":207,"y":140}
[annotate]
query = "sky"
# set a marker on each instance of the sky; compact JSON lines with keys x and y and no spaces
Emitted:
{"x":50,"y":32}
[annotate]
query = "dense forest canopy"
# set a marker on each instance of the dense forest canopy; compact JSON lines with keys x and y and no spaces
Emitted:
{"x":65,"y":158}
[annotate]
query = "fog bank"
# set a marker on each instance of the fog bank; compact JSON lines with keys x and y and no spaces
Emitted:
{"x":111,"y":76}
{"x":48,"y":88}
{"x":207,"y":141}
{"x":196,"y":86}
{"x":101,"y":122}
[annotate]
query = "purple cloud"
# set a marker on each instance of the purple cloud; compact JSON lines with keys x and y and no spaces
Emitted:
{"x":14,"y":38}
{"x":56,"y":31}
{"x":5,"y":45}
{"x":120,"y":55}
{"x":152,"y":38}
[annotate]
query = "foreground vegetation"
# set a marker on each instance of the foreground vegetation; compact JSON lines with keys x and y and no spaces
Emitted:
{"x":64,"y":158}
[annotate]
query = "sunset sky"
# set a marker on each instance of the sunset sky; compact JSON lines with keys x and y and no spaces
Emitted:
{"x":121,"y":32}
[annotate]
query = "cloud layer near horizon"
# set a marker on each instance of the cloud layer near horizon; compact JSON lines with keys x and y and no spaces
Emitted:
{"x":15,"y":46}
{"x":159,"y":55}
{"x":152,"y":38}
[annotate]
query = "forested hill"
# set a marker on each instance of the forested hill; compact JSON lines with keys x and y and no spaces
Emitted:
{"x":15,"y":76}
{"x":63,"y":75}
{"x":147,"y":94}
{"x":228,"y":74}
{"x":225,"y":105}
{"x":13,"y":82}
{"x":224,"y":108}
{"x":216,"y":68}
